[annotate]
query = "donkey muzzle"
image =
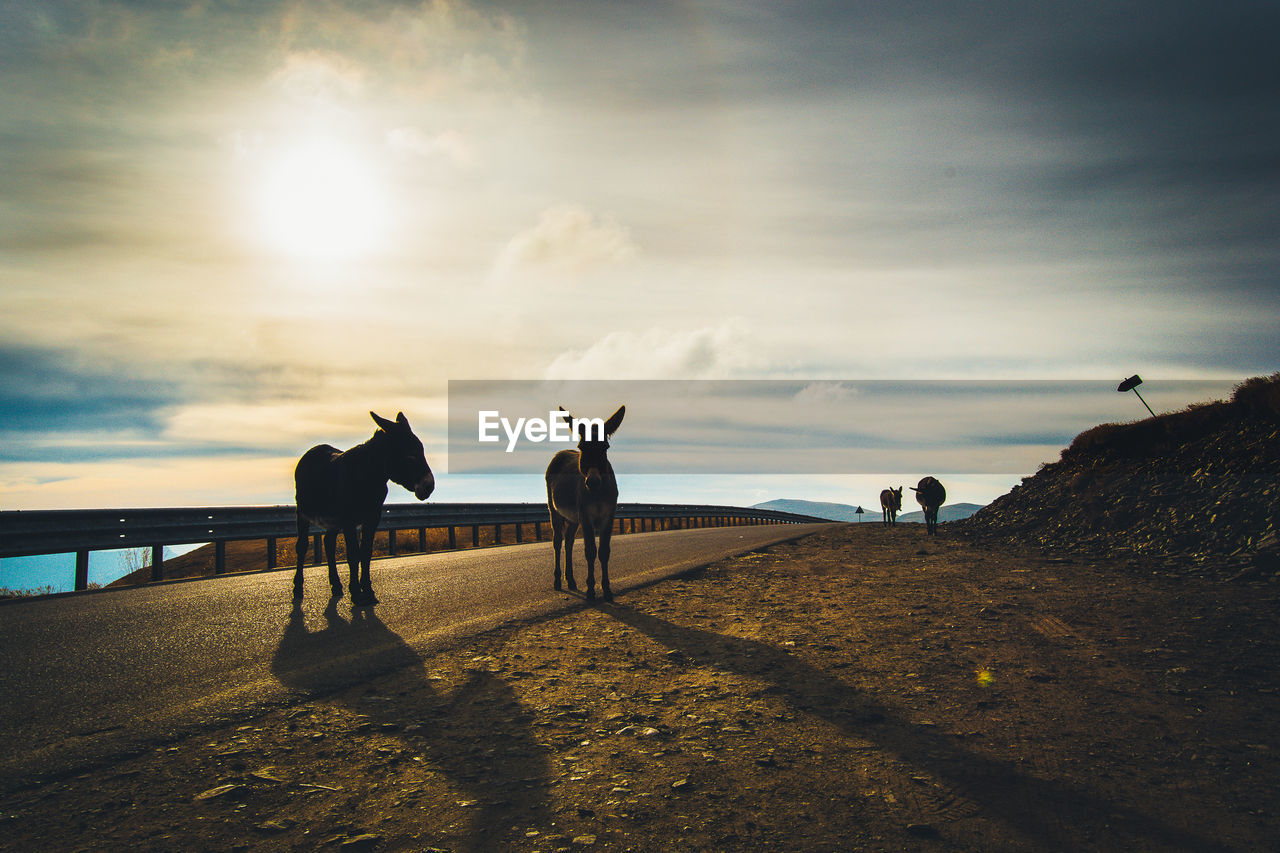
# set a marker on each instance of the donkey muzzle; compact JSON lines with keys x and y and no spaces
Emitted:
{"x":425,"y":487}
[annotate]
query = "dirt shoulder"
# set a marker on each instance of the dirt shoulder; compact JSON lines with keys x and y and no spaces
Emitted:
{"x":863,"y":688}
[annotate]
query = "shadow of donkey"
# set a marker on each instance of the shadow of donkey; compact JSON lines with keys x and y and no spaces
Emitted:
{"x":472,"y":735}
{"x":1001,"y":789}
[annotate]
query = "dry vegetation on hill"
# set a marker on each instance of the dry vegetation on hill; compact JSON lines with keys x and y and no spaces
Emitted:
{"x":1197,"y":489}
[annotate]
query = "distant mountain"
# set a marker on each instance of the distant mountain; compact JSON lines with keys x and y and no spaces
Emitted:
{"x":846,"y":512}
{"x":820,"y":509}
{"x":946,"y":512}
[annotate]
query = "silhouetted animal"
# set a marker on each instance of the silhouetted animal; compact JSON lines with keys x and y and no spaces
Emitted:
{"x":930,"y":494}
{"x":891,"y":505}
{"x":582,"y":491}
{"x":345,"y":491}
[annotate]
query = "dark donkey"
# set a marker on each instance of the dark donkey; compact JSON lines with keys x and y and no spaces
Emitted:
{"x":891,"y":505}
{"x":345,"y":491}
{"x":930,"y":495}
{"x":582,"y":491}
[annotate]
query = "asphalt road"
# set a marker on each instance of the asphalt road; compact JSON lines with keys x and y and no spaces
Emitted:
{"x":86,"y":678}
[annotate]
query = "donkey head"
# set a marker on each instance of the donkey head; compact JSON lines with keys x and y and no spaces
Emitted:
{"x":406,"y":464}
{"x":593,"y":444}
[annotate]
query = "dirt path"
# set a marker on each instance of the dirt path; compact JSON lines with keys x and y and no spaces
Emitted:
{"x":860,"y":689}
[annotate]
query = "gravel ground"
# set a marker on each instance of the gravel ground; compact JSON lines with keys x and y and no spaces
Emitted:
{"x":862,"y":689}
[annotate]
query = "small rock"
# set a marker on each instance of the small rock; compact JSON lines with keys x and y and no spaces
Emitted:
{"x":368,"y":841}
{"x":275,"y":827}
{"x":584,"y":841}
{"x":680,"y":785}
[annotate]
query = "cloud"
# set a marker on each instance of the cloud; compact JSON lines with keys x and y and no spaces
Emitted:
{"x":440,"y":48}
{"x":567,"y":239}
{"x":711,"y":352}
{"x":825,"y":393}
{"x":449,"y":145}
{"x":317,"y":77}
{"x":293,"y":425}
{"x":147,"y":481}
{"x":46,"y":391}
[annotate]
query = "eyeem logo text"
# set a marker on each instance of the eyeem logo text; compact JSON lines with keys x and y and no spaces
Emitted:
{"x":558,"y":427}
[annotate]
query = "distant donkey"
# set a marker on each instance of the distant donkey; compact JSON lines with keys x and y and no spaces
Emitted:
{"x":582,"y":491}
{"x":345,"y":491}
{"x":930,"y":494}
{"x":891,"y":505}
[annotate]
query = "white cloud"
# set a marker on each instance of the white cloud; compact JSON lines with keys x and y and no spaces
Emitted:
{"x":567,"y":239}
{"x":295,"y":424}
{"x":319,"y":77}
{"x":711,"y":352}
{"x":449,"y":145}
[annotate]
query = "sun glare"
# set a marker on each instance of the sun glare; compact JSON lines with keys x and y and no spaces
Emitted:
{"x":321,"y":202}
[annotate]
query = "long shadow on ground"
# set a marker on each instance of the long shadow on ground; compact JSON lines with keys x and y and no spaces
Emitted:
{"x":1050,"y":814}
{"x":477,"y":735}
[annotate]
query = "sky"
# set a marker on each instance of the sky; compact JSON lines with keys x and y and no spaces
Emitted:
{"x":228,"y":231}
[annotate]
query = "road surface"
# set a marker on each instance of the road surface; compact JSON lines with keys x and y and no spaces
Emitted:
{"x":90,"y":677}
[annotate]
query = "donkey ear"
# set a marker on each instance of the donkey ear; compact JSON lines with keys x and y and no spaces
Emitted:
{"x":402,"y":420}
{"x":382,"y":422}
{"x":615,"y":420}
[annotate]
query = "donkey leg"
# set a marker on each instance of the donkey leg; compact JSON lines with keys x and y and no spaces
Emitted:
{"x":300,"y":548}
{"x":606,"y":534}
{"x":557,"y":540}
{"x":351,"y":535}
{"x":589,"y":549}
{"x":368,"y":529}
{"x":331,"y":556}
{"x":570,"y":528}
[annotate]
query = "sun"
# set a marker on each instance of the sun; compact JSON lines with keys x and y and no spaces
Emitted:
{"x":321,"y":201}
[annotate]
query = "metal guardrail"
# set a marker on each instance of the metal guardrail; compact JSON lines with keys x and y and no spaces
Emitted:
{"x":32,"y":532}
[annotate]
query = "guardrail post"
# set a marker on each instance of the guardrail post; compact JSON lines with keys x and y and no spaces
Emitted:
{"x":453,"y":536}
{"x":82,"y":570}
{"x":391,"y":541}
{"x":475,"y":536}
{"x":497,"y":534}
{"x":422,"y":538}
{"x":271,"y":553}
{"x":537,"y":530}
{"x":219,"y":556}
{"x":519,"y":533}
{"x":157,"y":562}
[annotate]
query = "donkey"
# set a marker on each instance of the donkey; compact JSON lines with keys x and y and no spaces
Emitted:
{"x":930,"y":495}
{"x":891,"y":505}
{"x":345,"y":491}
{"x":582,"y":490}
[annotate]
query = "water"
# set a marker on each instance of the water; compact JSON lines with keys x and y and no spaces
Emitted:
{"x":57,"y":572}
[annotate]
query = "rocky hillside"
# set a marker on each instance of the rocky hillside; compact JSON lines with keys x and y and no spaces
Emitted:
{"x":1198,"y":488}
